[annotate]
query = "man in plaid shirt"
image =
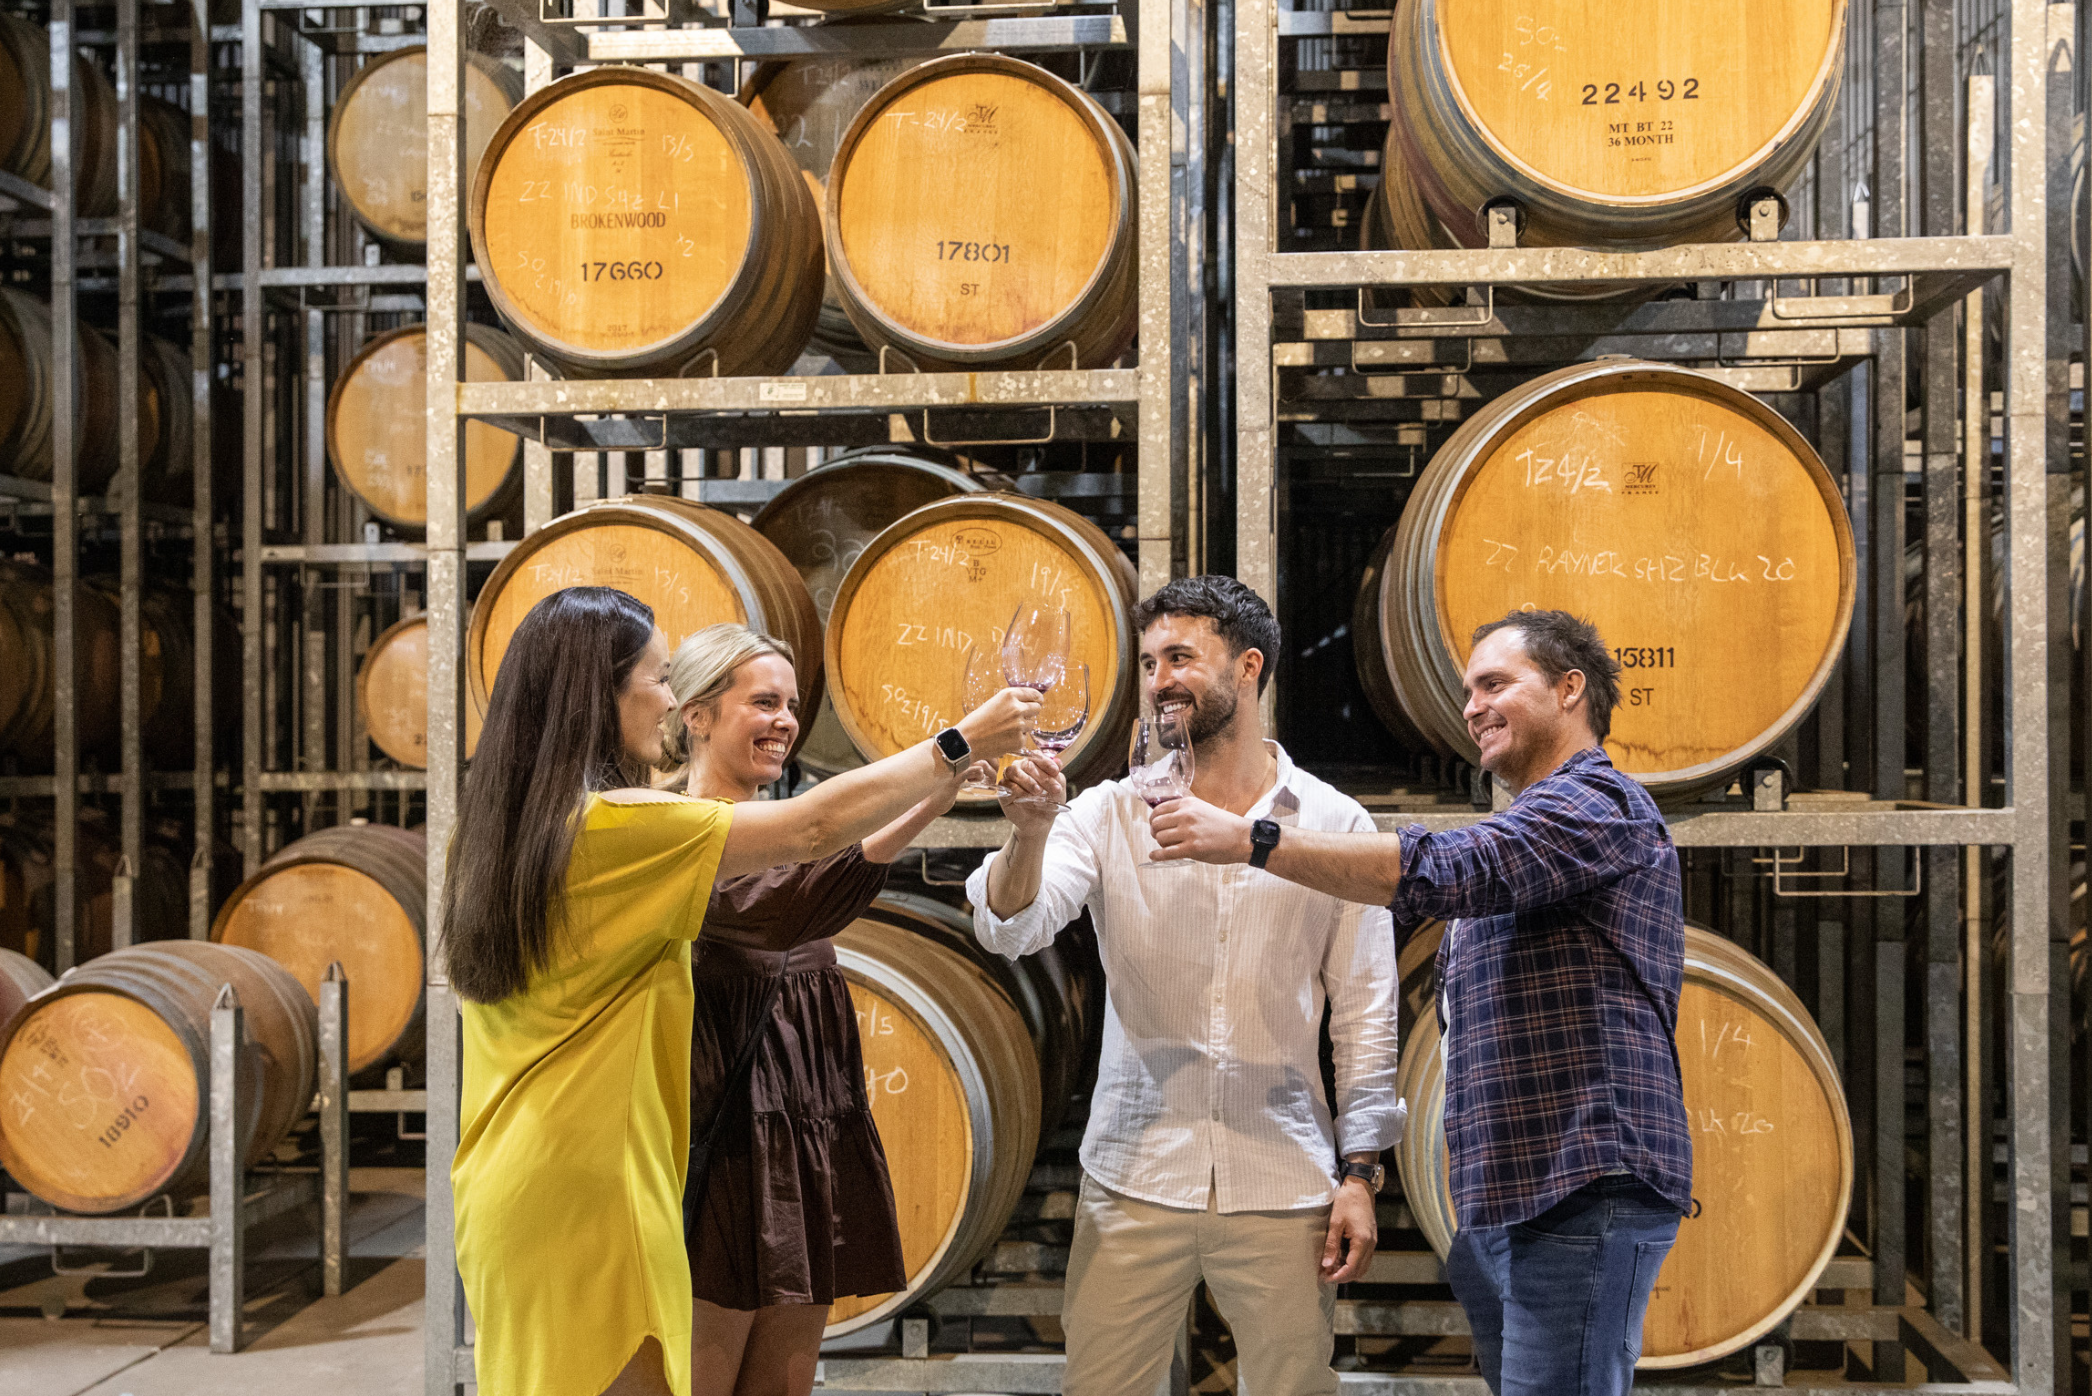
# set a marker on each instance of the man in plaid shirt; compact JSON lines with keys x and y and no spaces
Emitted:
{"x":1565,"y":1114}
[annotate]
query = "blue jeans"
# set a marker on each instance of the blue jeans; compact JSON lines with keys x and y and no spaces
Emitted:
{"x":1556,"y":1303}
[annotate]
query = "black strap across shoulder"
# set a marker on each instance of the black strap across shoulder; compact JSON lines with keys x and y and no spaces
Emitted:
{"x":736,"y":1084}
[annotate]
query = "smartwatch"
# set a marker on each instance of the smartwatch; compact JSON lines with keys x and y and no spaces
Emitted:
{"x":953,"y":748}
{"x":1263,"y":837}
{"x":1374,"y":1174}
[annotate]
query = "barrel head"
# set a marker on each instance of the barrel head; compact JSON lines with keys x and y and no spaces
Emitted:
{"x":377,"y":429}
{"x":377,"y":141}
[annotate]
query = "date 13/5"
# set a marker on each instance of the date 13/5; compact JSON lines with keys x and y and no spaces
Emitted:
{"x":1663,"y":90}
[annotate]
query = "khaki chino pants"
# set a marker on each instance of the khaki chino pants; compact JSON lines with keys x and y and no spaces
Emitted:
{"x":1131,"y":1273}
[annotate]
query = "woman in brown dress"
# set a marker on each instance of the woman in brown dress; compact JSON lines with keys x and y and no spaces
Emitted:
{"x":798,"y":1210}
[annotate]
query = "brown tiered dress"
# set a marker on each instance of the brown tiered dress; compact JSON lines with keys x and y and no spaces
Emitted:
{"x":799,"y":1207}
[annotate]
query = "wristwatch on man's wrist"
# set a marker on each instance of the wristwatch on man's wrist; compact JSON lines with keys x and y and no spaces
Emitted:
{"x":953,"y":748}
{"x":1263,"y":837}
{"x":1372,"y":1174}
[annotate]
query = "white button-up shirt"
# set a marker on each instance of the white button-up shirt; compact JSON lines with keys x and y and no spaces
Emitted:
{"x":1216,"y":979}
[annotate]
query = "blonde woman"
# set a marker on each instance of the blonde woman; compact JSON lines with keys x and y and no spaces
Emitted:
{"x":797,"y":1210}
{"x":573,"y":896}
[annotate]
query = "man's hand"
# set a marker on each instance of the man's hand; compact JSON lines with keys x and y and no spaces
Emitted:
{"x":1354,"y":1234}
{"x":1191,"y":828}
{"x":1038,"y":776}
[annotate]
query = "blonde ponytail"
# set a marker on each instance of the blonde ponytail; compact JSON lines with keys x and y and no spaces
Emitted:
{"x":701,"y":671}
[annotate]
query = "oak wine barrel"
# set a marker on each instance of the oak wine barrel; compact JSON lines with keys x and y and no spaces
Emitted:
{"x":377,"y":138}
{"x":377,"y":436}
{"x":1687,"y":520}
{"x":163,"y":167}
{"x":105,"y":1078}
{"x":29,"y":876}
{"x":823,"y":520}
{"x":21,"y":979}
{"x":629,"y":222}
{"x":953,"y":1078}
{"x":167,"y":383}
{"x":950,"y":576}
{"x":1615,"y":126}
{"x":981,"y":214}
{"x":1771,"y":1140}
{"x":26,"y":109}
{"x":357,"y":894}
{"x":810,"y":104}
{"x":392,"y":693}
{"x":694,"y":565}
{"x":26,"y":406}
{"x":29,"y":671}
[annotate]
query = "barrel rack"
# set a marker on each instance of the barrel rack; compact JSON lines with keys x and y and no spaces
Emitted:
{"x":1866,"y":293}
{"x":143,"y":266}
{"x":241,"y":1199}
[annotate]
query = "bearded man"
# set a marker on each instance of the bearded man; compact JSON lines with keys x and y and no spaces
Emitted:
{"x":1211,"y":1153}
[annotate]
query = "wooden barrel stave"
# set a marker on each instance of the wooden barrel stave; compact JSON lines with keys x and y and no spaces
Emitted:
{"x":377,"y":146}
{"x":356,"y":894}
{"x":694,"y":565}
{"x":375,"y":438}
{"x":163,"y":167}
{"x":26,"y":111}
{"x":1648,"y":540}
{"x":1730,"y":1279}
{"x":133,"y":1030}
{"x":167,"y":381}
{"x":26,"y":425}
{"x":823,"y":520}
{"x":715,"y":266}
{"x":950,"y":575}
{"x":392,"y":694}
{"x":28,"y":669}
{"x":1057,"y":211}
{"x":21,"y":979}
{"x":1492,"y":99}
{"x":954,"y":1082}
{"x":29,"y":873}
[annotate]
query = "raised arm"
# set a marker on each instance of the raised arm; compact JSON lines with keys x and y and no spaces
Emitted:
{"x":892,"y":841}
{"x":844,"y":809}
{"x":1352,"y":866}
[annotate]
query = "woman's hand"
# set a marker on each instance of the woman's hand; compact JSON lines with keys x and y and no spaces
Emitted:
{"x":1036,"y":777}
{"x":998,"y":726}
{"x":979,"y":773}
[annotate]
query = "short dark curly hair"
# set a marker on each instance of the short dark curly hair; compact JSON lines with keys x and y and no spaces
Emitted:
{"x":1238,"y":613}
{"x":1558,"y":642}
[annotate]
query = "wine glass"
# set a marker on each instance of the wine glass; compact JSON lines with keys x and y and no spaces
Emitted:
{"x":981,"y":680}
{"x":1035,"y":648}
{"x":1161,"y":767}
{"x":1069,"y":715}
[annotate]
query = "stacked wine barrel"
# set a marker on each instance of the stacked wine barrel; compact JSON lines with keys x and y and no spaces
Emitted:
{"x":695,"y":566}
{"x":392,"y":694}
{"x":377,"y":139}
{"x":29,"y":671}
{"x":981,"y":214}
{"x":810,"y":104}
{"x":1688,"y":521}
{"x":27,"y":113}
{"x":356,"y":894}
{"x":1609,"y":126}
{"x":21,"y":979}
{"x":377,"y":435}
{"x":947,"y":579}
{"x":963,"y":1062}
{"x":1772,"y":1149}
{"x":823,"y":520}
{"x":107,"y":1074}
{"x":27,"y":407}
{"x":29,"y":872}
{"x":634,"y":223}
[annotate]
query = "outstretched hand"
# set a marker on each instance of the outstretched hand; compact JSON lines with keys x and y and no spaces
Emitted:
{"x":1191,"y":828}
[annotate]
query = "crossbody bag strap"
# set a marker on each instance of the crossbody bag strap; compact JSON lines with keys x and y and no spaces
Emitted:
{"x":735,"y":1084}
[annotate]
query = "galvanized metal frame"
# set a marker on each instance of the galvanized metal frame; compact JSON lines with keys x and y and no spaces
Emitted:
{"x":1156,"y":394}
{"x":2018,"y":259}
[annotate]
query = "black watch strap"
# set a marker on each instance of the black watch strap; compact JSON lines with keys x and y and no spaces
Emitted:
{"x":1373,"y":1174}
{"x":1263,"y":837}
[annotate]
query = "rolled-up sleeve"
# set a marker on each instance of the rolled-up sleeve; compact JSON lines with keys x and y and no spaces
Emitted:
{"x":1065,"y":884}
{"x":1358,"y":975}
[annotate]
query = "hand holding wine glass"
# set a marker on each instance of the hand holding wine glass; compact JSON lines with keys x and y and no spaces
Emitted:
{"x":1063,"y":716}
{"x":980,"y":678}
{"x":1161,"y":766}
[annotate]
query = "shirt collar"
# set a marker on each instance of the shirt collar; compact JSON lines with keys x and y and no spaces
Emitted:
{"x":1283,"y":799}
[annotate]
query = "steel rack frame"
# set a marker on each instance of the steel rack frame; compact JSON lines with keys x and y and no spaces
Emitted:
{"x":1842,"y":322}
{"x":241,"y":1199}
{"x":1148,"y":401}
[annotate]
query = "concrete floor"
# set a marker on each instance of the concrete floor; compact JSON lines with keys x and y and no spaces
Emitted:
{"x":148,"y":1337}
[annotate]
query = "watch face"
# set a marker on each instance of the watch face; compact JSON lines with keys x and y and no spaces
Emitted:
{"x":953,"y":744}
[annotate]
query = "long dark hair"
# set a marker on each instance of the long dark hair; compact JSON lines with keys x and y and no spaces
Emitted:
{"x":552,"y":736}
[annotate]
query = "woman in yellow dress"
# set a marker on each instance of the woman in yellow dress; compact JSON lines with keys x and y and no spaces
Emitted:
{"x":574,"y":892}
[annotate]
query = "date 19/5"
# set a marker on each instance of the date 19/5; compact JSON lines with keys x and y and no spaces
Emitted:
{"x":1609,"y":94}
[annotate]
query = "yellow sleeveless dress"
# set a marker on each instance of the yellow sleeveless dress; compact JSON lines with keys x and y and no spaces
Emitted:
{"x":574,"y":1135}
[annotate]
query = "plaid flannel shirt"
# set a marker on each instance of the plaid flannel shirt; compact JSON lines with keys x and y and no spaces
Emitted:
{"x":1562,"y":980}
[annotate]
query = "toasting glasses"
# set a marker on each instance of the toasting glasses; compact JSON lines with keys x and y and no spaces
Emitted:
{"x":1035,"y":656}
{"x":983,"y":680}
{"x":1062,"y":719}
{"x":1160,"y":767}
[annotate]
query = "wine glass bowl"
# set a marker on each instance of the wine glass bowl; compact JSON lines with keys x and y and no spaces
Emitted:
{"x":1035,"y":647}
{"x":1062,"y":720}
{"x":980,"y":680}
{"x":1160,"y":766}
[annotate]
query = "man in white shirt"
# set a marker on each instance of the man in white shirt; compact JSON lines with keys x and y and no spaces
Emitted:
{"x":1211,"y":1153}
